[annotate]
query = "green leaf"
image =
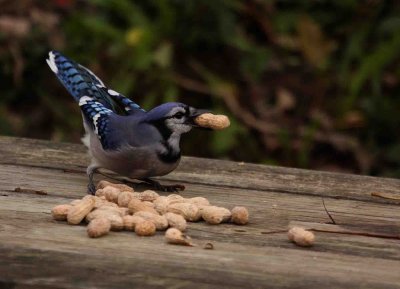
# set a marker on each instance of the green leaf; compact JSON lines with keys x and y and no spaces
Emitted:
{"x":373,"y":65}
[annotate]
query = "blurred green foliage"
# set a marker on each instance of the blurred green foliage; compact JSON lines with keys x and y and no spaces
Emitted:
{"x":311,"y":84}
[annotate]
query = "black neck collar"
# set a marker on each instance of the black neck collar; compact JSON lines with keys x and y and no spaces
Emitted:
{"x":169,"y":155}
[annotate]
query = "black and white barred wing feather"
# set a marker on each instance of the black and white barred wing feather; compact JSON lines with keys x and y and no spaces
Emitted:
{"x":80,"y":81}
{"x":128,"y":105}
{"x":98,"y":117}
{"x":98,"y":103}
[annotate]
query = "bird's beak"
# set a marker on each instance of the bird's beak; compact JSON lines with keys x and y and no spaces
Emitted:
{"x":195,"y":113}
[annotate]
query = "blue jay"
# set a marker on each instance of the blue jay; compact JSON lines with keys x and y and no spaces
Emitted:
{"x":120,"y":135}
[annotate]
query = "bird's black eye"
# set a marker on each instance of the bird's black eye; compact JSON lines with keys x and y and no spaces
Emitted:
{"x":179,"y":115}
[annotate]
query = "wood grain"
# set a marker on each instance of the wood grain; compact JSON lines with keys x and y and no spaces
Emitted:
{"x":38,"y":252}
{"x":216,"y":172}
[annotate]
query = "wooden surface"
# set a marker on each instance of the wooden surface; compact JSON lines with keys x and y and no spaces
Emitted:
{"x":361,"y":251}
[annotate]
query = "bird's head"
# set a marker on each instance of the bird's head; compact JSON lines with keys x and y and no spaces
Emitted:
{"x":173,"y":117}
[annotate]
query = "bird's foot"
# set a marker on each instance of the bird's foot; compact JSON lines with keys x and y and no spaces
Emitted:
{"x":91,"y":188}
{"x":164,"y":188}
{"x":91,"y":170}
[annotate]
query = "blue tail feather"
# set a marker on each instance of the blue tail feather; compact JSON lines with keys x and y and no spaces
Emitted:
{"x":80,"y":81}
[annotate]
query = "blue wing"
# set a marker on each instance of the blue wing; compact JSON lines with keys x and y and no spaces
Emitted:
{"x":98,"y":103}
{"x":80,"y":82}
{"x":129,"y":106}
{"x":98,"y":117}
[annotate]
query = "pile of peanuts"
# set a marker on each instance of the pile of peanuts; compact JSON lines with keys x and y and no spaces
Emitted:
{"x":118,"y":207}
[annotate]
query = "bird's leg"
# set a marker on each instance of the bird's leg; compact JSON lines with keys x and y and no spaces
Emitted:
{"x":171,"y":188}
{"x":90,"y":171}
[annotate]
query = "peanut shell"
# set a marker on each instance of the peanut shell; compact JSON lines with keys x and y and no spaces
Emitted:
{"x":148,"y":195}
{"x":98,"y":227}
{"x":124,"y":198}
{"x":161,"y":204}
{"x":131,"y":221}
{"x":301,"y":237}
{"x":199,"y":201}
{"x":136,"y":205}
{"x":161,"y":222}
{"x":174,"y":236}
{"x":121,"y":187}
{"x":60,"y":212}
{"x":78,"y":212}
{"x":187,"y":210}
{"x":176,"y":221}
{"x":215,"y":215}
{"x":213,"y":121}
{"x":240,"y":215}
{"x":145,"y":228}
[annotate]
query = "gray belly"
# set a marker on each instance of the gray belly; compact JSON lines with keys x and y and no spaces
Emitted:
{"x":133,"y":162}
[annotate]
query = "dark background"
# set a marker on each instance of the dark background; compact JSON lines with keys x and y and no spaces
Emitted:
{"x":311,"y":84}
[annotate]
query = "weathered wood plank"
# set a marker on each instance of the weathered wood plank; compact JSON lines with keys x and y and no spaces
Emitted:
{"x":264,"y":206}
{"x":205,"y":171}
{"x":16,"y":209}
{"x":282,"y":269}
{"x":66,"y":253}
{"x":37,"y":252}
{"x":269,"y":211}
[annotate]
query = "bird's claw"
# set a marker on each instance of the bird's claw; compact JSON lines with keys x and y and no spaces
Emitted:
{"x":172,"y":188}
{"x":91,"y":188}
{"x":165,"y":188}
{"x":156,"y":185}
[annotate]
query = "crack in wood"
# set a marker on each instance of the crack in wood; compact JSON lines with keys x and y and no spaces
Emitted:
{"x":327,"y":212}
{"x":30,"y":191}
